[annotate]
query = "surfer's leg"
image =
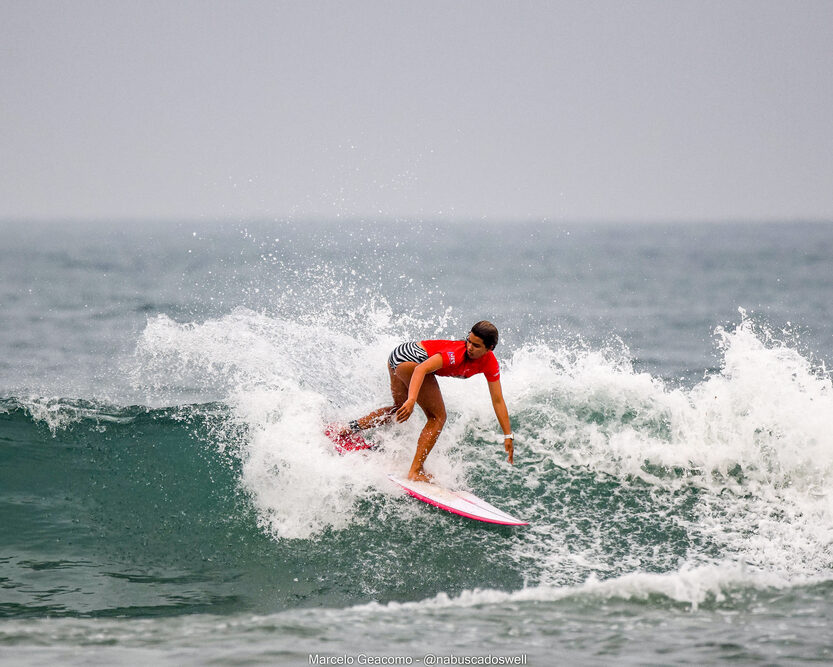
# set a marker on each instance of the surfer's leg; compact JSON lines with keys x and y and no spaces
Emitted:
{"x":380,"y":417}
{"x":430,"y":399}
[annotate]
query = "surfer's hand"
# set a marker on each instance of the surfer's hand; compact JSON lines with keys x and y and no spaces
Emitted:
{"x":405,"y":411}
{"x":509,"y":446}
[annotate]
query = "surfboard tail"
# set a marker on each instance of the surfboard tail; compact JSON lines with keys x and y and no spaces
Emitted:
{"x":349,"y":442}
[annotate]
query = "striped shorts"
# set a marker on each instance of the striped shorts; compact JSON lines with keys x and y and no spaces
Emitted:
{"x":407,"y":352}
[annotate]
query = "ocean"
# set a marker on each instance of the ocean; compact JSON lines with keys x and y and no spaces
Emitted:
{"x":167,"y":494}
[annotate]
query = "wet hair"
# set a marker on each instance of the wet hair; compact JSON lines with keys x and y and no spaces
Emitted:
{"x":487,"y":332}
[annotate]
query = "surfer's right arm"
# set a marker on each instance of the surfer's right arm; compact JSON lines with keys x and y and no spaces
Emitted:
{"x":430,"y":365}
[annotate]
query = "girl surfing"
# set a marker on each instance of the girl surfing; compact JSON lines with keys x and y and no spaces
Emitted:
{"x":413,"y":368}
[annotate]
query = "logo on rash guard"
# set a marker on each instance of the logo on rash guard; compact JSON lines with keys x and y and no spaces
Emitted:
{"x":451,"y":359}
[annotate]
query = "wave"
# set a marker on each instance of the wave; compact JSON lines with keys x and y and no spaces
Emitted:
{"x":741,"y":463}
{"x":622,"y":476}
{"x":690,"y":586}
{"x":62,"y":413}
{"x":640,"y":608}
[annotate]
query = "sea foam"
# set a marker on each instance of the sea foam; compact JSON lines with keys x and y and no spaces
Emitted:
{"x":753,"y":439}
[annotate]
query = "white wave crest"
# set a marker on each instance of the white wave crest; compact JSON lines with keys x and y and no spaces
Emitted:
{"x":691,"y":586}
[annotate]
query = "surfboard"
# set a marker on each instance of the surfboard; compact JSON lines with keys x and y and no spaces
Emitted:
{"x":457,"y":502}
{"x":352,"y":442}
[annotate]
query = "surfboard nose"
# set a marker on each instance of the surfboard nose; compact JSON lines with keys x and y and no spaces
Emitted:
{"x":462,"y":503}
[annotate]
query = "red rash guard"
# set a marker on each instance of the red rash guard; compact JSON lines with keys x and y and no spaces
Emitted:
{"x":457,"y":364}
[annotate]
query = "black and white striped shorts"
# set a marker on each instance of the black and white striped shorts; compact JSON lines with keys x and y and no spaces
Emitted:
{"x":407,"y":352}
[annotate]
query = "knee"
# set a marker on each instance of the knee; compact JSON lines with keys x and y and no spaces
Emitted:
{"x":437,"y":420}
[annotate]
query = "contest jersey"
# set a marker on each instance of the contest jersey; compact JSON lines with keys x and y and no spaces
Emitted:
{"x":457,"y":364}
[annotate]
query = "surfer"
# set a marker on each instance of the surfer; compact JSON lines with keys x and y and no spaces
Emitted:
{"x":413,"y":368}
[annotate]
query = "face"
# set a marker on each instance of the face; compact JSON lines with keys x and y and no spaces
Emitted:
{"x":475,"y":347}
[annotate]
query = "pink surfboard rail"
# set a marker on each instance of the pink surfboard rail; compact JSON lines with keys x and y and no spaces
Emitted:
{"x":461,"y":503}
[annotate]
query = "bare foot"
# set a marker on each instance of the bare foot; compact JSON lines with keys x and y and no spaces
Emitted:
{"x":420,"y":476}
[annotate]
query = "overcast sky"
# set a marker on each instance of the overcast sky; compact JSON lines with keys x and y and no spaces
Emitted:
{"x":565,"y":111}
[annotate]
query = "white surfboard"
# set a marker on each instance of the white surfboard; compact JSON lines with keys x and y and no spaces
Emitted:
{"x":457,"y":502}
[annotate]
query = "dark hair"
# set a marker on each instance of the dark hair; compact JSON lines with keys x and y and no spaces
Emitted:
{"x":487,"y":332}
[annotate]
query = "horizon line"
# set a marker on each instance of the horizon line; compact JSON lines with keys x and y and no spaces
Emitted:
{"x":422,"y":220}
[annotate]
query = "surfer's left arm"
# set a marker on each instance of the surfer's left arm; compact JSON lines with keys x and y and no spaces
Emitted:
{"x":502,"y":414}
